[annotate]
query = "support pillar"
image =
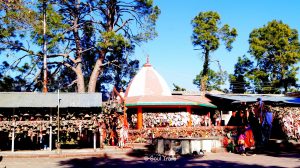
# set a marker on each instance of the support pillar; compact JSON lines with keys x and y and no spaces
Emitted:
{"x":50,"y":131}
{"x":13,"y":137}
{"x":13,"y":133}
{"x":189,"y":110}
{"x":100,"y":137}
{"x":94,"y":140}
{"x":209,"y":120}
{"x":58,"y":124}
{"x":140,"y":118}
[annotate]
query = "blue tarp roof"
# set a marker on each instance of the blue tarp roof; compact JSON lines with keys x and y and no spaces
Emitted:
{"x":238,"y":98}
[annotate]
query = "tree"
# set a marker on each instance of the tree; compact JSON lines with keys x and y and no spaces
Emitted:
{"x":118,"y":74}
{"x":207,"y":35}
{"x":276,"y":48}
{"x":240,"y":81}
{"x":214,"y":80}
{"x":13,"y":83}
{"x":82,"y":36}
{"x":21,"y":37}
{"x":178,"y":88}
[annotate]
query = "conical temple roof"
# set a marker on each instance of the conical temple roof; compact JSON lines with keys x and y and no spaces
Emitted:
{"x":148,"y":82}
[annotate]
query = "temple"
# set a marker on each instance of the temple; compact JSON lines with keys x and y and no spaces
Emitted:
{"x":150,"y":103}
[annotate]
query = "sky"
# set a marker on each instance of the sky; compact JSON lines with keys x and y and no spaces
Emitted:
{"x":172,"y":53}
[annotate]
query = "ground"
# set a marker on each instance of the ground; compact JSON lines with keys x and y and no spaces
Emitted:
{"x":137,"y":158}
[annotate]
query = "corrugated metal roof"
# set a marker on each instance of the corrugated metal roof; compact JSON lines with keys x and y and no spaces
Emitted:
{"x":35,"y":99}
{"x":173,"y":100}
{"x":238,"y":98}
{"x":172,"y":104}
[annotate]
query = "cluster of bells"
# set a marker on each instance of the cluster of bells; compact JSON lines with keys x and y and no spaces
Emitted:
{"x":112,"y":106}
{"x":68,"y":123}
{"x":173,"y":132}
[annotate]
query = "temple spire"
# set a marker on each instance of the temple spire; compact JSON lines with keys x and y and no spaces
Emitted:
{"x":147,"y":64}
{"x":147,"y":60}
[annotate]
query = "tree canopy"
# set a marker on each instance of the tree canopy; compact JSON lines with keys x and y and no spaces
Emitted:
{"x":214,"y":81}
{"x":276,"y":49}
{"x":83,"y":39}
{"x":239,"y":80}
{"x":207,"y":35}
{"x":178,"y":88}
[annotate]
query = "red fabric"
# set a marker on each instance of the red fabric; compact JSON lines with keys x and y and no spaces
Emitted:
{"x":125,"y":121}
{"x":225,"y":142}
{"x":249,"y":140}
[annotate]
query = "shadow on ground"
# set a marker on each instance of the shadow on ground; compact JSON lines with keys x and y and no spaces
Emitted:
{"x":280,"y":154}
{"x":136,"y":162}
{"x":288,"y":151}
{"x":146,"y":157}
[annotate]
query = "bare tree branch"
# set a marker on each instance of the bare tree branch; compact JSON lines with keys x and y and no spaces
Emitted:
{"x":34,"y":80}
{"x":66,"y":55}
{"x":124,"y":23}
{"x":87,"y":50}
{"x":32,"y":68}
{"x":70,"y":66}
{"x":72,"y":83}
{"x":19,"y":60}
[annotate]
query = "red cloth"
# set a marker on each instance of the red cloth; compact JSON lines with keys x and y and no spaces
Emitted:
{"x":225,"y":142}
{"x":249,"y":140}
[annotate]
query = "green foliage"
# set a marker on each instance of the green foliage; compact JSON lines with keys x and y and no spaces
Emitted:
{"x":228,"y":36}
{"x":276,"y":48}
{"x":119,"y":69}
{"x":207,"y":34}
{"x":111,"y":40}
{"x":240,"y":80}
{"x":118,"y":74}
{"x":53,"y":28}
{"x":9,"y":82}
{"x":214,"y":80}
{"x":77,"y":35}
{"x":178,"y":88}
{"x":15,"y":20}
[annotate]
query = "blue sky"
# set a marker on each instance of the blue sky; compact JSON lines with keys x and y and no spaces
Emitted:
{"x":172,"y":53}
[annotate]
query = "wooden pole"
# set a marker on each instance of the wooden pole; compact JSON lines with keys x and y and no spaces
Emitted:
{"x":45,"y":89}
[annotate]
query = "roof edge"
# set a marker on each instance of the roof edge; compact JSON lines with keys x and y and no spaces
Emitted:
{"x":170,"y":104}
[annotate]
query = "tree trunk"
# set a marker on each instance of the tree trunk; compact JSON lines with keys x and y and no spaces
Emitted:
{"x":203,"y":85}
{"x":78,"y":64}
{"x":80,"y":79}
{"x":204,"y":75}
{"x":110,"y":16}
{"x":94,"y":76}
{"x":206,"y":64}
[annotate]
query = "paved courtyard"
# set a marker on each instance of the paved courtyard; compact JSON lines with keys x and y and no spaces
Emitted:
{"x":135,"y":158}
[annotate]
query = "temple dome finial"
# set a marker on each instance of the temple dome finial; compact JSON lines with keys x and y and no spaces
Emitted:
{"x":147,"y":64}
{"x":147,"y":59}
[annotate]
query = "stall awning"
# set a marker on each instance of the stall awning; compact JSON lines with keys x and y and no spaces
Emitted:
{"x":250,"y":98}
{"x":49,"y":100}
